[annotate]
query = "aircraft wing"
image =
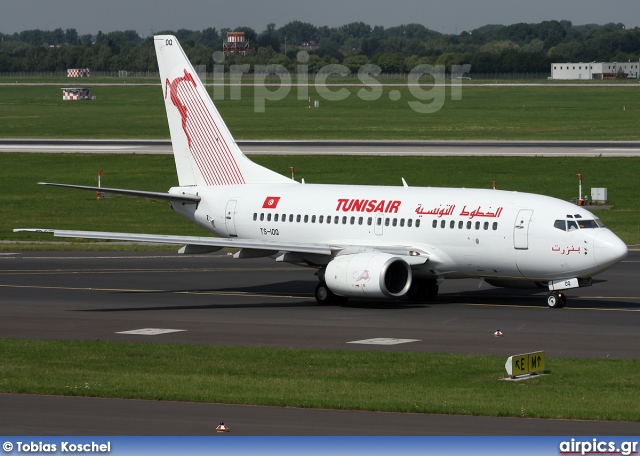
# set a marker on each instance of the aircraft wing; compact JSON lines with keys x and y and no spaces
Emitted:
{"x":406,"y":252}
{"x":321,"y":249}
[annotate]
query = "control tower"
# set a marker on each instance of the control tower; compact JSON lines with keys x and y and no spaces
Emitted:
{"x":235,"y":44}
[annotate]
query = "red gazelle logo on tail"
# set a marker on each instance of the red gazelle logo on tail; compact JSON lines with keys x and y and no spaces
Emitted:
{"x":207,"y":144}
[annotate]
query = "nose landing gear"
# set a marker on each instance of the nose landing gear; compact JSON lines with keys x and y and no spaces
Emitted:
{"x":555,"y":300}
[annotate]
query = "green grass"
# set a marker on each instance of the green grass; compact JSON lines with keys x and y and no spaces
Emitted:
{"x":532,"y":113}
{"x":335,"y":379}
{"x":27,"y":205}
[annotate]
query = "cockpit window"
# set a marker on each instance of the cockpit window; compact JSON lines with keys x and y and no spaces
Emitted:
{"x":570,"y":225}
{"x":588,"y":224}
{"x":560,"y":224}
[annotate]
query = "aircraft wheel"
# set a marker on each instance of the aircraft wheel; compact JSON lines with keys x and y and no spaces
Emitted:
{"x":563,"y":299}
{"x":422,"y":291}
{"x":431,"y":290}
{"x":555,"y":300}
{"x":416,"y":291}
{"x":324,"y":296}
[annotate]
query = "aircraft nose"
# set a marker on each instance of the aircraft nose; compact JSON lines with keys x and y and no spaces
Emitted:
{"x":609,"y":248}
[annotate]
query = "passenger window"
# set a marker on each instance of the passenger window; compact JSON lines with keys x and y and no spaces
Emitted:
{"x":321,"y":219}
{"x":360,"y":220}
{"x":369,"y":221}
{"x":353,"y":220}
{"x":336,"y":220}
{"x":452,"y":224}
{"x":477,"y":225}
{"x":328,"y":219}
{"x":298,"y":218}
{"x":344,"y":220}
{"x":495,"y":226}
{"x":443,"y":224}
{"x":306,"y":219}
{"x":560,"y":224}
{"x":469,"y":225}
{"x":255,"y":216}
{"x":275,"y":218}
{"x":291,"y":218}
{"x":313,"y":219}
{"x":262,"y":217}
{"x":460,"y":224}
{"x":401,"y":222}
{"x":386,"y":222}
{"x":395,"y":222}
{"x":409,"y":221}
{"x":284,"y":217}
{"x":486,"y":225}
{"x":268,"y":217}
{"x":379,"y":221}
{"x":435,"y":224}
{"x":418,"y":223}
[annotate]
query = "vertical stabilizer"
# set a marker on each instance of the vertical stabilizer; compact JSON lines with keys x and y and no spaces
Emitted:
{"x":204,"y":150}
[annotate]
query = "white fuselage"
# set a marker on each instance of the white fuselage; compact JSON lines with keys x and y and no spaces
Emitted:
{"x":464,"y":232}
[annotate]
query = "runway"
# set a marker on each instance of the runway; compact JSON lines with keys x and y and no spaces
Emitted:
{"x":215,"y":300}
{"x":376,"y":148}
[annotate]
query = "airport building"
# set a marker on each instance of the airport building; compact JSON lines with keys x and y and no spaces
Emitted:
{"x":235,"y":44}
{"x":595,"y":70}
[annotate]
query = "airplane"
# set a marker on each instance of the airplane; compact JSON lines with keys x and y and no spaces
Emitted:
{"x":372,"y":242}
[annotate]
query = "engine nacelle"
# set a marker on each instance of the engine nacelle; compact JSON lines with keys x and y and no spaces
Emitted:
{"x":372,"y":275}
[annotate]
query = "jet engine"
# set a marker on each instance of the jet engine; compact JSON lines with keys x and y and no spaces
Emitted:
{"x":371,"y":274}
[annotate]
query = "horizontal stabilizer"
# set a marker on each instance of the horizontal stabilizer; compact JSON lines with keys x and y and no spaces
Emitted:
{"x":183,"y":198}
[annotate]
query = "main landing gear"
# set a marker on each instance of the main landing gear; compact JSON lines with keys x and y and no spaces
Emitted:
{"x":423,"y":290}
{"x":555,"y":299}
{"x":325,"y":297}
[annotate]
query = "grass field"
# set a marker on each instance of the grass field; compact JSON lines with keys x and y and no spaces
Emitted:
{"x":503,"y":113}
{"x":27,"y":205}
{"x":336,"y":379}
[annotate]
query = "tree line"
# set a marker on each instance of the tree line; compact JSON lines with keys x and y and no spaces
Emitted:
{"x":514,"y":48}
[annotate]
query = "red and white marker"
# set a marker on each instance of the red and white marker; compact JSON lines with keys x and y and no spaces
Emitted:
{"x":222,"y":428}
{"x":498,"y":333}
